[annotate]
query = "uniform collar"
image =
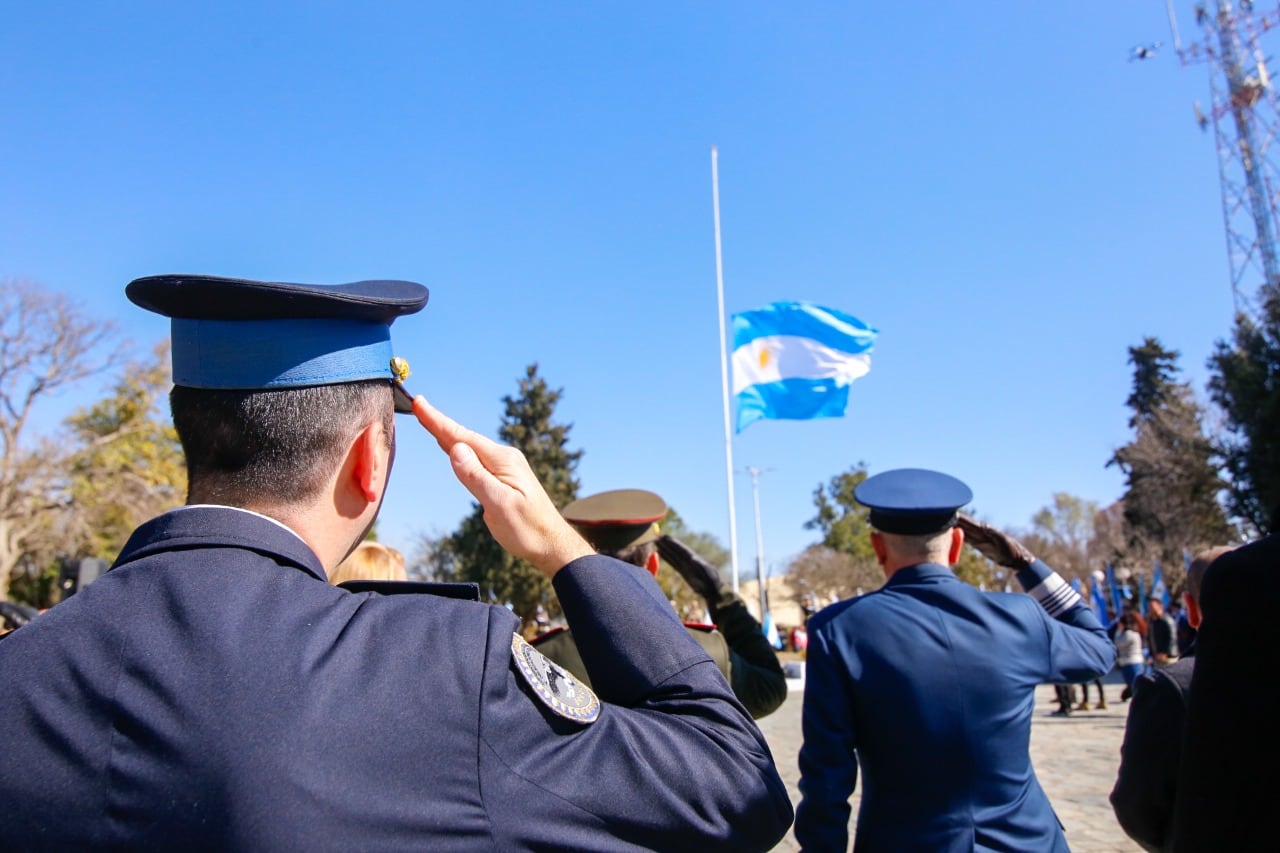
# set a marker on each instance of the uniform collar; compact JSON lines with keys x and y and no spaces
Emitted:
{"x":208,"y":526}
{"x":921,"y":573}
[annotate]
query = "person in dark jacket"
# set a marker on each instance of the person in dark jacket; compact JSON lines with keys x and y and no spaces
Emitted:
{"x":1162,"y":635}
{"x":213,"y":691}
{"x":1226,"y":785}
{"x":1147,"y":782}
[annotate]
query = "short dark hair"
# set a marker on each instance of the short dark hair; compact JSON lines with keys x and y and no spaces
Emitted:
{"x":274,"y":447}
{"x":636,"y":555}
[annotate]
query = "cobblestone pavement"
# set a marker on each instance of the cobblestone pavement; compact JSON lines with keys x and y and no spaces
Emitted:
{"x":1077,"y":779}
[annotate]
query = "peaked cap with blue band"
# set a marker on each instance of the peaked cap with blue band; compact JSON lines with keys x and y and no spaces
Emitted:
{"x":236,"y":334}
{"x":912,"y":501}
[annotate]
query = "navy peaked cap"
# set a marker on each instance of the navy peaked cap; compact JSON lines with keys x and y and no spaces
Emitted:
{"x":237,"y":334}
{"x":208,"y":297}
{"x":912,"y":501}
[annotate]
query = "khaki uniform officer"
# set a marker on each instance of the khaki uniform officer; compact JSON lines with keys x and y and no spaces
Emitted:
{"x":623,"y":523}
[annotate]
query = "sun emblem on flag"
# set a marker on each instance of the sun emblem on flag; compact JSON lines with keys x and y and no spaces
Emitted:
{"x":765,"y":358}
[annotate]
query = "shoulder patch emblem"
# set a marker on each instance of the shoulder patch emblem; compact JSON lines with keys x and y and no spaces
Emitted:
{"x":561,"y":692}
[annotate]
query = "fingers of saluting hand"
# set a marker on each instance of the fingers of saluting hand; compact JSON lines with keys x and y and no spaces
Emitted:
{"x":443,"y":428}
{"x":472,"y":455}
{"x":517,"y":510}
{"x":488,"y":469}
{"x":976,"y":533}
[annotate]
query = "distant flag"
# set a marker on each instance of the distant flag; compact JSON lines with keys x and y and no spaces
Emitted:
{"x":771,"y":631}
{"x":1158,"y":588}
{"x":795,"y":360}
{"x":1186,"y":559}
{"x":1099,"y":602}
{"x":1142,"y":594}
{"x":1116,"y":602}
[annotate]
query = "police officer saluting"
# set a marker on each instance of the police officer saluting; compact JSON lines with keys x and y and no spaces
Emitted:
{"x":624,"y":523}
{"x":212,"y":691}
{"x":932,"y":683}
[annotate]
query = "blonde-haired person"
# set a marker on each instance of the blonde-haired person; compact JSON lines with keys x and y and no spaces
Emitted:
{"x":370,"y":561}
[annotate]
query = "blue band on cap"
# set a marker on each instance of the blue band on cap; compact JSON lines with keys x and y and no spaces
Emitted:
{"x":262,"y":354}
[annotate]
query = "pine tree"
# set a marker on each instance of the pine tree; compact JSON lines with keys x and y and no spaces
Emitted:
{"x":471,"y":553}
{"x":1172,"y":484}
{"x":1246,"y":385}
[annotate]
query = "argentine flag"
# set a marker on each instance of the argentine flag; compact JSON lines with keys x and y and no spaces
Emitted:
{"x":795,"y":360}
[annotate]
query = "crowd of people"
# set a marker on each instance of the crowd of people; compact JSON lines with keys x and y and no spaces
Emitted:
{"x":1141,"y":642}
{"x":254,"y":673}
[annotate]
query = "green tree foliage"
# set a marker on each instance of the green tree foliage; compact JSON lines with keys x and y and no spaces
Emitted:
{"x":976,"y":570}
{"x":841,"y":519}
{"x":47,"y":344}
{"x":1171,"y":482}
{"x":126,"y":464}
{"x":1245,"y":384}
{"x":120,"y":464}
{"x":1062,"y":535}
{"x":471,"y":553}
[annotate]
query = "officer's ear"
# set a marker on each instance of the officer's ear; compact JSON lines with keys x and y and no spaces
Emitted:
{"x":370,"y":459}
{"x":957,"y":545}
{"x":877,"y":545}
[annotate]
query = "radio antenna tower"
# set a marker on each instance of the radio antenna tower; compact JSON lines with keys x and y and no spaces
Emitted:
{"x":1246,"y":117}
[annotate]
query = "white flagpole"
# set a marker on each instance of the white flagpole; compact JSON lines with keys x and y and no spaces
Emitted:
{"x":724,"y":370}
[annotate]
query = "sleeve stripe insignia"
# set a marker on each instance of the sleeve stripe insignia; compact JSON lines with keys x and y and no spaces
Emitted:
{"x":561,"y":692}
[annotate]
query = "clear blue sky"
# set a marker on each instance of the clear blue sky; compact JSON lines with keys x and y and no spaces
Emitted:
{"x":994,"y":185}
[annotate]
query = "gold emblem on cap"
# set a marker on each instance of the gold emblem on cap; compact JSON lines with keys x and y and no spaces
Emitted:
{"x":400,"y":368}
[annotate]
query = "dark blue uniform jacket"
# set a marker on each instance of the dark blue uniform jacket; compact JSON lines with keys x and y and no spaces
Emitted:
{"x":212,"y":691}
{"x":932,"y":682}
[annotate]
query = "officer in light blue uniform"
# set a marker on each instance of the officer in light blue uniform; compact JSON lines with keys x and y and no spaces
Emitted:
{"x":213,"y":692}
{"x":928,"y":685}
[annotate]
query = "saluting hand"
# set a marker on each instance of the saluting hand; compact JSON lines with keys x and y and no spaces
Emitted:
{"x":517,"y":510}
{"x":996,"y":545}
{"x":700,"y":575}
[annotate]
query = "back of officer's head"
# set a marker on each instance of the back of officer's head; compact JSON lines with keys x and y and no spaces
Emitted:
{"x":919,"y":548}
{"x":913,"y":512}
{"x":636,"y":555}
{"x":275,"y":447}
{"x":273,"y":381}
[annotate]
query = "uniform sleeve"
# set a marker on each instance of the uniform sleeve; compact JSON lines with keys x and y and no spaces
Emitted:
{"x":755,"y":673}
{"x":1079,"y":648}
{"x":1146,"y":785}
{"x":828,"y":764}
{"x":672,"y":762}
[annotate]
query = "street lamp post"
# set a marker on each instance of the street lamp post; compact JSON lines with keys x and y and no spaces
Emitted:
{"x":755,"y":500}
